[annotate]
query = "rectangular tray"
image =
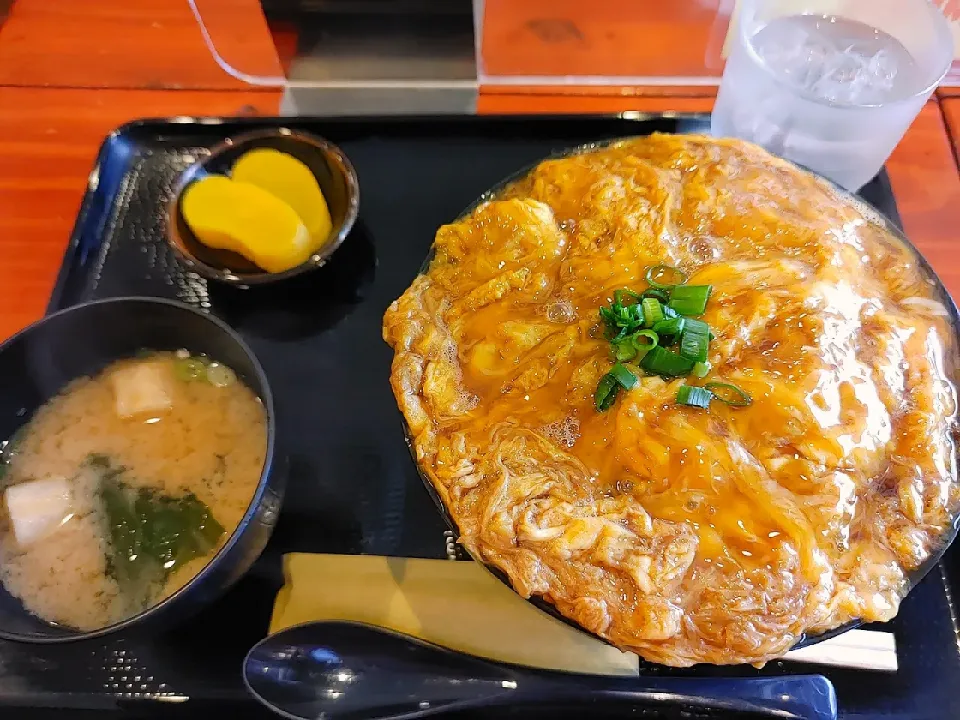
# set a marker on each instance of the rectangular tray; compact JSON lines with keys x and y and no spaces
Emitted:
{"x":353,"y":487}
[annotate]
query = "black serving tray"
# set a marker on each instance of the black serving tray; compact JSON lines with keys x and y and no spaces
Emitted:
{"x":353,"y":487}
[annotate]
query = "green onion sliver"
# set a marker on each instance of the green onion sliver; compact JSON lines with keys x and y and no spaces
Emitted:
{"x":652,"y":311}
{"x":220,"y":375}
{"x":729,"y":394}
{"x":606,"y":392}
{"x":690,"y":299}
{"x":657,"y":294}
{"x":659,"y":275}
{"x":668,"y":364}
{"x":624,"y":349}
{"x":621,"y":320}
{"x":693,"y":346}
{"x":701,"y":369}
{"x":669,"y":327}
{"x":645,"y":340}
{"x":697,"y":326}
{"x":694,"y":396}
{"x":623,"y":376}
{"x":618,"y":296}
{"x":695,"y":340}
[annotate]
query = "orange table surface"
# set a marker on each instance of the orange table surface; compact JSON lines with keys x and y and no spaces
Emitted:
{"x":139,"y":44}
{"x":951,"y":114}
{"x":625,"y":38}
{"x":48,"y":144}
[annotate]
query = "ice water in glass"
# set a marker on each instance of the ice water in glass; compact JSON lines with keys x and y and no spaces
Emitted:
{"x":831,"y":93}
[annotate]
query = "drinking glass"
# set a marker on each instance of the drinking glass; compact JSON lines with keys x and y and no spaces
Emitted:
{"x":831,"y":84}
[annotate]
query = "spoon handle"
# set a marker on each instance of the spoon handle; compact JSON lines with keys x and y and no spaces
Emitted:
{"x":790,"y":697}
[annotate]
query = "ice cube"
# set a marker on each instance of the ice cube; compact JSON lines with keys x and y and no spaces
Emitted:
{"x":797,"y":55}
{"x":867,"y":78}
{"x":882,"y":69}
{"x":839,"y":60}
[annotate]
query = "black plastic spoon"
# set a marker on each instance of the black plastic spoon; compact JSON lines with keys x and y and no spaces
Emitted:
{"x":352,"y":671}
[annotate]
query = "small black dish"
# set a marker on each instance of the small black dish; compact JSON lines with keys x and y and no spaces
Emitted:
{"x":39,"y":361}
{"x":331,"y":168}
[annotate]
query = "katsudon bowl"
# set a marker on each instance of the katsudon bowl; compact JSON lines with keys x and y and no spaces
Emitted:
{"x":456,"y":468}
{"x":81,"y":341}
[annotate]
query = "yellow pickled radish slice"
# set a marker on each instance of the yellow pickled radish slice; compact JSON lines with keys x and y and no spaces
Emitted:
{"x":291,"y":181}
{"x":230,"y":215}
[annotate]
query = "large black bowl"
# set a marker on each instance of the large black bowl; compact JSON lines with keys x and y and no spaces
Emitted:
{"x":871,"y":214}
{"x":36,"y":363}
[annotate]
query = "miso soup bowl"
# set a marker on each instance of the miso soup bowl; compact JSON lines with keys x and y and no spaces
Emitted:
{"x":39,"y":361}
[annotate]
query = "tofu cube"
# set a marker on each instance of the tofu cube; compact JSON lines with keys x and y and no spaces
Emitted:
{"x":142,"y":387}
{"x":38,"y":507}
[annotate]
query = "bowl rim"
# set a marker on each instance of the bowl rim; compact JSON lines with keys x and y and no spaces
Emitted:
{"x":239,"y":279}
{"x":266,"y":399}
{"x":869,"y":211}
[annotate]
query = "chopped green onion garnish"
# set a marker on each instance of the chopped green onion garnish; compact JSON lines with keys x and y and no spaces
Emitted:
{"x":663,"y":362}
{"x":645,"y":340}
{"x":729,"y":394}
{"x":665,"y":276}
{"x":620,"y":376}
{"x":189,"y":368}
{"x":618,"y":296}
{"x":641,"y":326}
{"x":606,"y":393}
{"x":697,"y":326}
{"x":652,"y":311}
{"x":669,"y":329}
{"x":621,"y":320}
{"x":625,"y":349}
{"x":693,"y":346}
{"x":690,"y":299}
{"x":657,"y":294}
{"x":623,"y":375}
{"x":695,"y":340}
{"x":220,"y":375}
{"x":694,"y":396}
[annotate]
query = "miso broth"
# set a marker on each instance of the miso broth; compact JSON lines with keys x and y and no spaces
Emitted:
{"x":122,"y":487}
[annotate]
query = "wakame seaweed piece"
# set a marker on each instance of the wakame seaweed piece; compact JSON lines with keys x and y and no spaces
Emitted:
{"x":151,"y":533}
{"x":203,"y":525}
{"x":135,"y":572}
{"x":160,"y":528}
{"x":98,"y":460}
{"x":176,"y":530}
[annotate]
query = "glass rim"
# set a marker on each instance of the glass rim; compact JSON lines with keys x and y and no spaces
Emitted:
{"x":942,"y":30}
